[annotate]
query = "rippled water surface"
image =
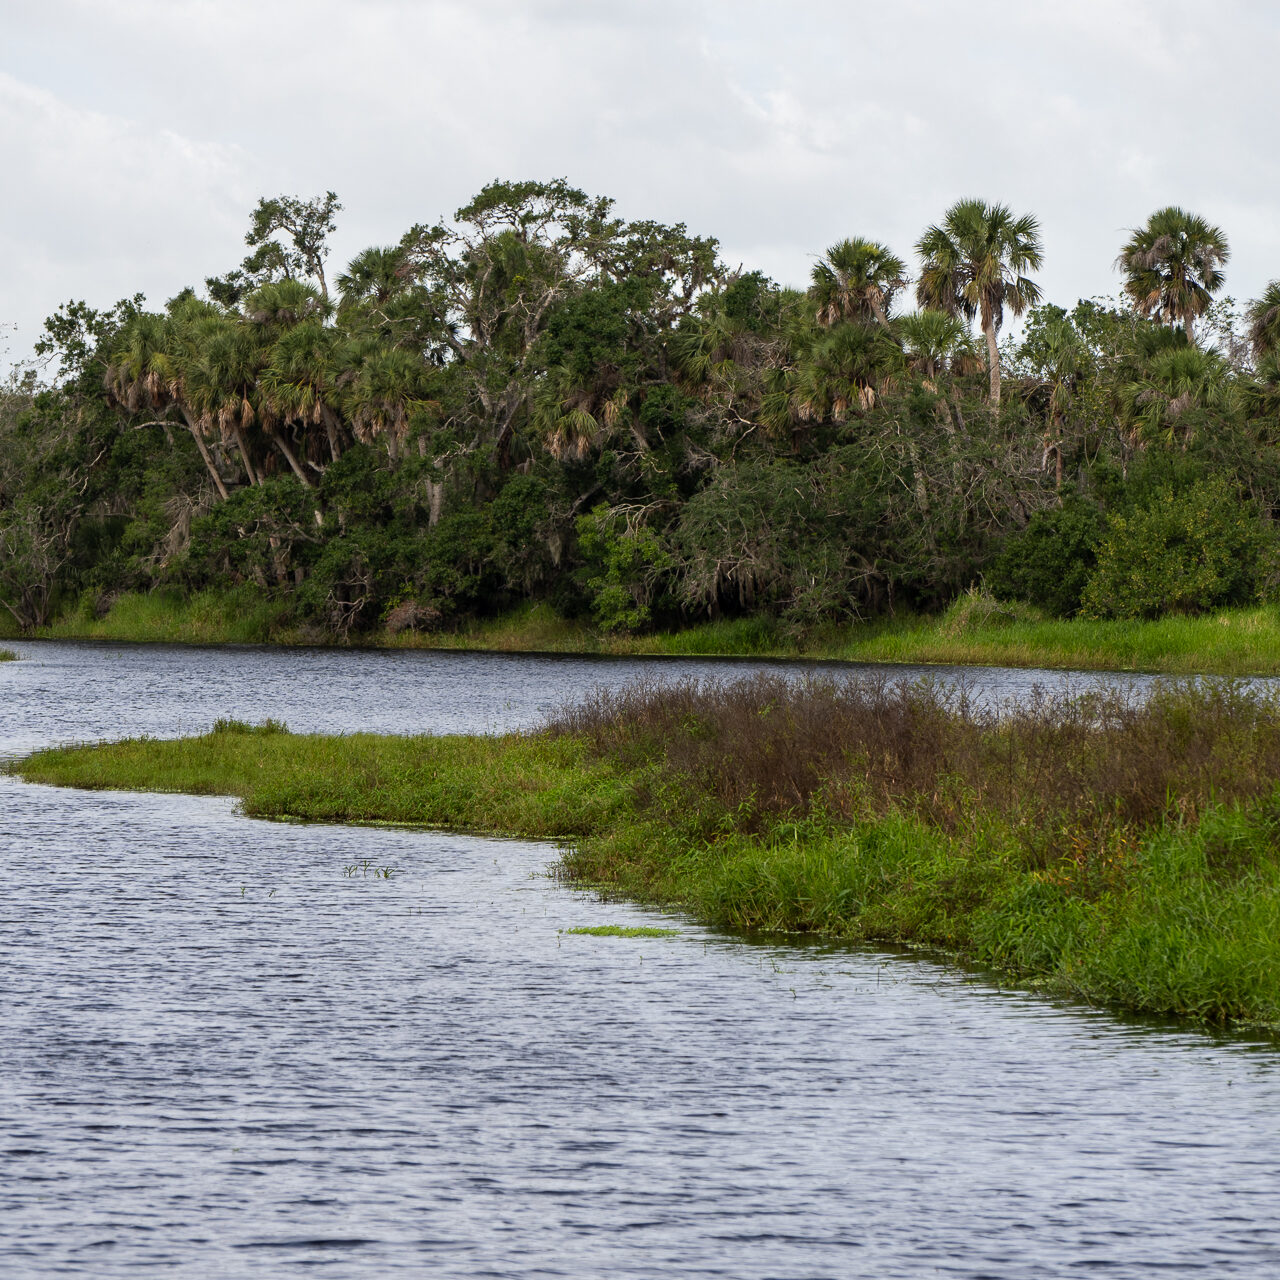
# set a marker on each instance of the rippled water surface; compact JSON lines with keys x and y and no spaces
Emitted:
{"x":223,"y":1054}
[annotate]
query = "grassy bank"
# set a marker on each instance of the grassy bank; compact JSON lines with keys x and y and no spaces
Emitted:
{"x":1125,"y":854}
{"x":974,"y":631}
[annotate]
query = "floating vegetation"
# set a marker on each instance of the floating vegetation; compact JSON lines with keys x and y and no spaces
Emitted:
{"x":622,"y":931}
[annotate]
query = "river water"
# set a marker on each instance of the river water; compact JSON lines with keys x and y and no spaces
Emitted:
{"x":224,"y":1054}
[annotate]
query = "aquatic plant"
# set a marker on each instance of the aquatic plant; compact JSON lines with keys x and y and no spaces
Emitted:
{"x":366,"y":867}
{"x":623,"y":931}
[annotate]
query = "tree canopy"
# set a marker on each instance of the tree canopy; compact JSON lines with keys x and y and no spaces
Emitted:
{"x":541,"y":400}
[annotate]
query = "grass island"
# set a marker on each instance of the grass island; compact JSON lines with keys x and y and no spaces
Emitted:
{"x":1118,"y":850}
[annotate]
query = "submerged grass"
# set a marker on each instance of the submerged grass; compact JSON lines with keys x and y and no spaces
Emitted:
{"x":1120,"y":851}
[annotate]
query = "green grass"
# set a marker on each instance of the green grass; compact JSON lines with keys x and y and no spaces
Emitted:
{"x":1126,"y":858}
{"x":974,"y":631}
{"x":8,"y":655}
{"x":1231,"y":642}
{"x":528,"y":785}
{"x":240,"y":616}
{"x":623,"y":931}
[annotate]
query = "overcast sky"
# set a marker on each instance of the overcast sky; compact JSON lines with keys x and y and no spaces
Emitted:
{"x":136,"y":135}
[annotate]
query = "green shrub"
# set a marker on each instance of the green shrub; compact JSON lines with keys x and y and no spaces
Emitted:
{"x":625,"y":566}
{"x":1049,"y":562}
{"x":977,"y":610}
{"x":1185,"y":552}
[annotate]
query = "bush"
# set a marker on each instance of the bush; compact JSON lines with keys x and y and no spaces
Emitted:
{"x":1049,"y":562}
{"x":1183,"y":553}
{"x":978,"y":610}
{"x":625,"y":567}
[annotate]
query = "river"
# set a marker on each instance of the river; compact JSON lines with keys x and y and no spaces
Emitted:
{"x":225,"y":1054}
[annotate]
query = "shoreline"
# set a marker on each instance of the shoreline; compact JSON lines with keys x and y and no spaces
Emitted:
{"x":975,"y":631}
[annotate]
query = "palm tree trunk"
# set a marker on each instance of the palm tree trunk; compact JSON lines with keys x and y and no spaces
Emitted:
{"x":331,"y":429}
{"x":882,"y":319}
{"x":290,"y":459}
{"x":1189,"y":324}
{"x":204,"y":453}
{"x":244,"y":455}
{"x":993,"y":359}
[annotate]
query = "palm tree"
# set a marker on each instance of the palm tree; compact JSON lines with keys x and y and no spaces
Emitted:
{"x":1172,"y":267}
{"x":935,"y":342}
{"x":1059,"y":356}
{"x":373,"y":275}
{"x":146,"y":369}
{"x":220,"y":377}
{"x":843,"y":373}
{"x":388,"y":385}
{"x":1179,"y":383}
{"x":856,"y":281}
{"x":1264,"y":322}
{"x":975,"y":264}
{"x":299,"y":384}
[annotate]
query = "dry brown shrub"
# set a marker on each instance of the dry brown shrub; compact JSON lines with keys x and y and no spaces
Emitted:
{"x":768,"y":747}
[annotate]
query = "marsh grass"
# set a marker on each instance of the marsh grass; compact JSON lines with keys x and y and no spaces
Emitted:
{"x":8,"y":655}
{"x":521,"y":784}
{"x":1120,"y":851}
{"x":1123,"y":850}
{"x":755,"y":751}
{"x":1230,"y":642}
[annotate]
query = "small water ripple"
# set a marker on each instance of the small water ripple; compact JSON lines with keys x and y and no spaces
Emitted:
{"x":221,"y":1056}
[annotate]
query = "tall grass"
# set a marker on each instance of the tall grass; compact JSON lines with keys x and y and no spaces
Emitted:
{"x":765,"y":748}
{"x":1230,"y":642}
{"x":7,"y":655}
{"x":1127,"y":851}
{"x":242,"y":615}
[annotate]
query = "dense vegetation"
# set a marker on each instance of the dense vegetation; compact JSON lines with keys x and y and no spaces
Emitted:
{"x":1120,"y":850}
{"x":539,"y":402}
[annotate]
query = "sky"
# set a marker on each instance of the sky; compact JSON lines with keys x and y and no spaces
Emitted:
{"x":137,"y":135}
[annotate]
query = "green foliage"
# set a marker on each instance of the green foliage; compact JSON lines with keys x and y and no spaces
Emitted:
{"x":1050,"y":561}
{"x":622,"y":931}
{"x":1186,"y":552}
{"x":624,"y":562}
{"x":417,"y":453}
{"x":260,"y":535}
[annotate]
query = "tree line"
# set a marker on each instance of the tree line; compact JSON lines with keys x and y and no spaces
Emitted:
{"x":539,"y":400}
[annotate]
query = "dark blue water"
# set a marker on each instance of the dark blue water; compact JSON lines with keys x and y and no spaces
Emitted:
{"x":232,"y":1048}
